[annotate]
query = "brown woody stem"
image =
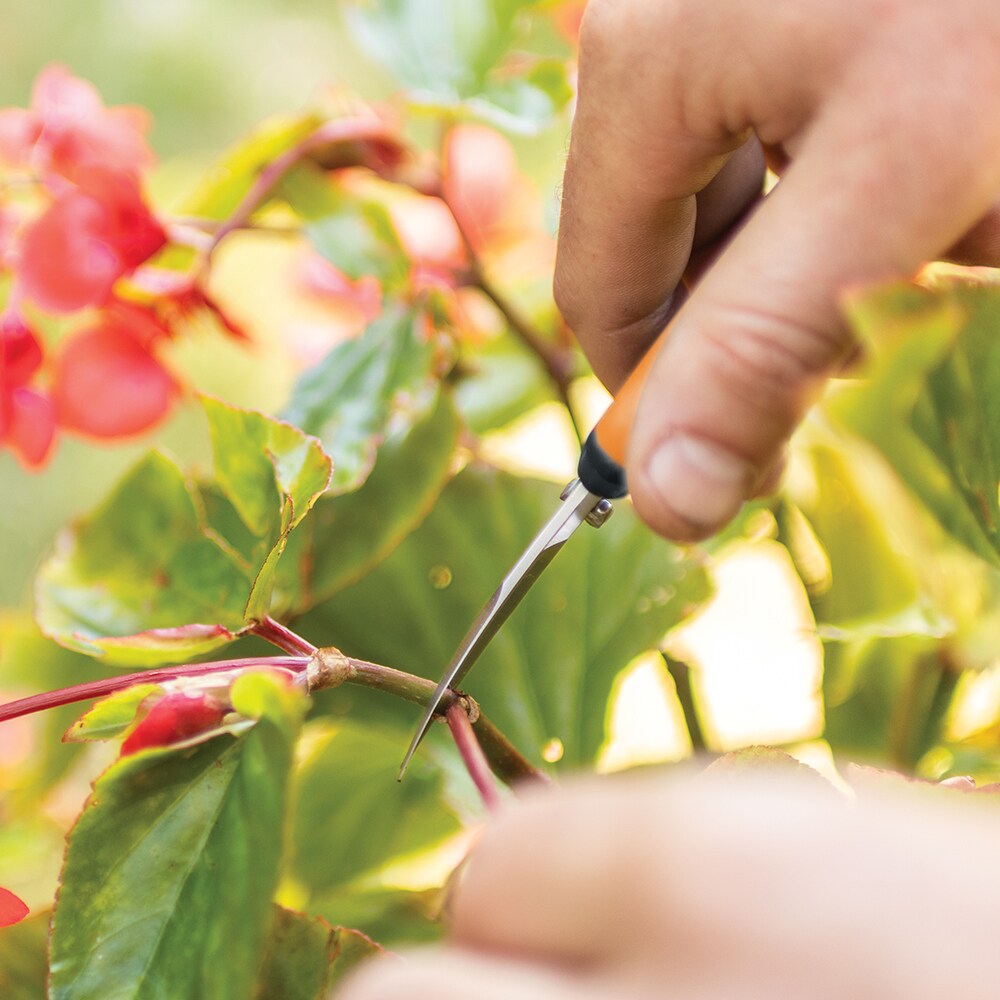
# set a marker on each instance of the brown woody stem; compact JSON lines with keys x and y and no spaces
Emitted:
{"x":680,"y":673}
{"x":558,"y":363}
{"x":331,"y":668}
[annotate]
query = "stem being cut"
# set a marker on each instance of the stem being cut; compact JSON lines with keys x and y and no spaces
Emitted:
{"x":320,"y":669}
{"x":330,"y":668}
{"x":472,"y":754}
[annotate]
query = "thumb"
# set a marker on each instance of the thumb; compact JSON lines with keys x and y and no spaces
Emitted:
{"x":759,"y":337}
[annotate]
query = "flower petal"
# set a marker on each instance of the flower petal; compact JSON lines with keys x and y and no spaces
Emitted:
{"x":12,"y":909}
{"x":108,"y":385}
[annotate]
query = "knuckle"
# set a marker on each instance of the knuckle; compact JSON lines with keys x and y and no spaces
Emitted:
{"x":764,"y":355}
{"x":608,"y":25}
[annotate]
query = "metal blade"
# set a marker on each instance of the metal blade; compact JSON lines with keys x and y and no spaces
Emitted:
{"x":577,"y":504}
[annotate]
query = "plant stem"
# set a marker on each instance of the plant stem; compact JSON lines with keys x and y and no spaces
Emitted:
{"x":340,"y":130}
{"x":323,"y":668}
{"x":558,"y":363}
{"x":281,"y":636}
{"x":98,"y":689}
{"x":330,"y":668}
{"x":921,"y":707}
{"x":472,"y":755}
{"x":680,"y":673}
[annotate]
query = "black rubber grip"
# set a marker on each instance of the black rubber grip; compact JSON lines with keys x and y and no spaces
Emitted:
{"x":599,"y":472}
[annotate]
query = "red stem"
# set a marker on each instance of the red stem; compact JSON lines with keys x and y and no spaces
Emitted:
{"x":98,"y":689}
{"x":283,"y":637}
{"x":330,"y":132}
{"x":472,"y":755}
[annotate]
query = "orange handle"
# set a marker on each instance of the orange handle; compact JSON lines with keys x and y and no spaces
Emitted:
{"x":615,"y":427}
{"x":602,"y":461}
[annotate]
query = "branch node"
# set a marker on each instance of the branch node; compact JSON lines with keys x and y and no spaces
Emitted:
{"x":328,"y":668}
{"x":469,"y":705}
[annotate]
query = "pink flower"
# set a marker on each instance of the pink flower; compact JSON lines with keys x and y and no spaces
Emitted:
{"x":89,"y":237}
{"x":12,"y":909}
{"x":68,"y":129}
{"x":108,"y":383}
{"x":480,"y":181}
{"x":27,"y":417}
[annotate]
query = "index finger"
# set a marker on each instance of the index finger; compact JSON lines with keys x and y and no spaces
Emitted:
{"x":633,"y":178}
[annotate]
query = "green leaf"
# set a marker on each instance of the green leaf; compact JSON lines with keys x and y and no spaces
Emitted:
{"x":272,"y":474}
{"x":354,"y":532}
{"x":525,"y":103}
{"x":353,"y":233}
{"x":23,"y":966}
{"x":151,"y":575}
{"x":437,"y":48}
{"x":111,"y":716}
{"x":452,"y":54}
{"x":141,"y":566}
{"x":171,"y":867}
{"x":352,"y":817}
{"x":499,"y":383}
{"x":869,"y":581}
{"x":396,"y":918}
{"x":929,"y":401}
{"x":881,"y":698}
{"x":353,"y":947}
{"x":349,"y":399}
{"x":299,"y":957}
{"x":306,"y":956}
{"x":610,"y":595}
{"x":228,"y":182}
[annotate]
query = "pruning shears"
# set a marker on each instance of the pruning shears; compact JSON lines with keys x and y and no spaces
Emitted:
{"x":600,"y":479}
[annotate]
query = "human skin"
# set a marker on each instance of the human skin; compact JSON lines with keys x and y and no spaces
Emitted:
{"x":768,"y":887}
{"x":884,"y":115}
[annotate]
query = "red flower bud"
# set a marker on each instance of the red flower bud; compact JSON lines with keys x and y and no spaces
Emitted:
{"x":174,"y":718}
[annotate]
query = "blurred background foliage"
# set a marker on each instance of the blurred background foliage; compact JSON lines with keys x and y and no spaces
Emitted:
{"x":855,"y":616}
{"x":208,"y":74}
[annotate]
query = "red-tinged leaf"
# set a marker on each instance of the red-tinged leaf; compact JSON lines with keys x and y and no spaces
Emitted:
{"x":20,"y":350}
{"x":185,"y":640}
{"x":27,"y":425}
{"x":299,"y":958}
{"x":12,"y":909}
{"x":171,"y":868}
{"x":87,"y":239}
{"x":108,"y":385}
{"x":174,"y":718}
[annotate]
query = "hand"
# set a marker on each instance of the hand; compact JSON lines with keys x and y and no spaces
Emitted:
{"x":735,"y":890}
{"x":885,"y":113}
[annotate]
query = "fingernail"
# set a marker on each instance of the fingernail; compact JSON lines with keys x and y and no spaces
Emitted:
{"x":700,"y":482}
